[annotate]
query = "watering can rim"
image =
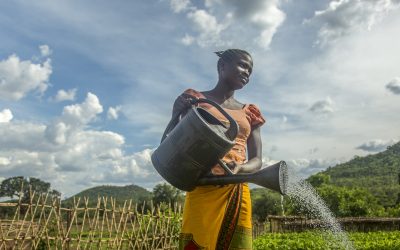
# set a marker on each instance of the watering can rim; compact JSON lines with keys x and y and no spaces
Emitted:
{"x":231,"y":132}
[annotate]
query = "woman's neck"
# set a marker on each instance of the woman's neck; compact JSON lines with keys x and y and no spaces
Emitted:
{"x":222,"y":92}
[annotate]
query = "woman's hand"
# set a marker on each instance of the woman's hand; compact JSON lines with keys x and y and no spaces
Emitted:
{"x":236,"y":168}
{"x":181,"y":106}
{"x":182,"y":103}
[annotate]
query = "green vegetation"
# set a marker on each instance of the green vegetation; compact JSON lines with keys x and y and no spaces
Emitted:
{"x":317,"y":240}
{"x":364,"y":186}
{"x":161,"y":194}
{"x":137,"y":194}
{"x":265,"y":202}
{"x":167,"y":194}
{"x":22,"y":188}
{"x":378,"y":173}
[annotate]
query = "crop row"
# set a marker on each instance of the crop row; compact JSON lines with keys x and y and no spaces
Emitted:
{"x":323,"y":240}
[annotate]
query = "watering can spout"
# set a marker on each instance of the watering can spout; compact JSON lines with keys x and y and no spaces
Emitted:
{"x":273,"y":177}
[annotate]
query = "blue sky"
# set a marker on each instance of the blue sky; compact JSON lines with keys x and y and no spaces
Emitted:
{"x":86,"y":88}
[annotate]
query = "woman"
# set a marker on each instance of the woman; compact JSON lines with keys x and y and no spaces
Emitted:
{"x":216,"y":217}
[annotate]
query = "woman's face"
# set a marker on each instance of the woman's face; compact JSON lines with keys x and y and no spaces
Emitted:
{"x":236,"y":73}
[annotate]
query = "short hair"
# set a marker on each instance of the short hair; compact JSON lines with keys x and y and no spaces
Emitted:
{"x":230,"y":54}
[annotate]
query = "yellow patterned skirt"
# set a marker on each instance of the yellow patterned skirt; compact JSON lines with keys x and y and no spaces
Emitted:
{"x":217,"y":217}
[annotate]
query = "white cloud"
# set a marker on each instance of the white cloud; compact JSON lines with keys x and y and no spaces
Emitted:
{"x":342,"y":17}
{"x":227,"y":22}
{"x":87,"y":150}
{"x":81,"y":114}
{"x":137,"y":165}
{"x":187,"y":40}
{"x":394,"y":86}
{"x":5,"y":116}
{"x":113,"y":113}
{"x":18,"y":78}
{"x":307,"y":167}
{"x":322,"y":107}
{"x":65,"y":95}
{"x":376,"y":145}
{"x":179,"y":5}
{"x":208,"y":27}
{"x":361,"y":104}
{"x":269,"y":17}
{"x":68,"y":152}
{"x":23,"y":137}
{"x":45,"y":50}
{"x":73,"y":118}
{"x":347,"y":75}
{"x":57,"y":132}
{"x":4,"y":162}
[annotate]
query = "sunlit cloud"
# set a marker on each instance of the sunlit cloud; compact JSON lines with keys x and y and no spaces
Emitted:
{"x":343,"y":17}
{"x":319,"y":103}
{"x":223,"y":22}
{"x":179,"y":5}
{"x":19,"y":77}
{"x":45,"y":50}
{"x":5,"y":116}
{"x":305,"y":167}
{"x":113,"y":112}
{"x":65,"y":95}
{"x":69,"y":147}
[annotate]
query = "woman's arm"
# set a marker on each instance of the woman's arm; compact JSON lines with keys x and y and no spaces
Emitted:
{"x":254,"y":151}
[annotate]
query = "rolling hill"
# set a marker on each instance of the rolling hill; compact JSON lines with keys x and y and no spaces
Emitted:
{"x":121,"y":193}
{"x":378,"y":173}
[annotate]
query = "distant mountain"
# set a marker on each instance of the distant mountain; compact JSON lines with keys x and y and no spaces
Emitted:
{"x":135,"y":193}
{"x":378,"y":173}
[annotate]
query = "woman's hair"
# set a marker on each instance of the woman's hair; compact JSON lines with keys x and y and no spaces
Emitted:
{"x":230,"y":54}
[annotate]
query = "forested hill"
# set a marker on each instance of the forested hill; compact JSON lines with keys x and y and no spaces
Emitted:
{"x":378,"y":173}
{"x":120,"y":193}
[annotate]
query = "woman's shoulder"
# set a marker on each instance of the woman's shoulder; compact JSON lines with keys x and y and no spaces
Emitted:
{"x":193,"y":92}
{"x":254,"y":114}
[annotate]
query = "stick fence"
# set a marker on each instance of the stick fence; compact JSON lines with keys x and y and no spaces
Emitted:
{"x":44,"y":224}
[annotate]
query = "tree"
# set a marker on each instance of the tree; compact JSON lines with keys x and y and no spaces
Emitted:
{"x":319,"y":179}
{"x":345,"y":202}
{"x":268,"y":203}
{"x":165,"y":193}
{"x":22,"y":187}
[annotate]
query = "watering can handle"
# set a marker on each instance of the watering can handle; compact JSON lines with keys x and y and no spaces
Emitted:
{"x":231,"y":133}
{"x":225,"y":167}
{"x":233,"y":129}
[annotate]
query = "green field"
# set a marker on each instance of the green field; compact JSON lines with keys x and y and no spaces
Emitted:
{"x":315,"y":240}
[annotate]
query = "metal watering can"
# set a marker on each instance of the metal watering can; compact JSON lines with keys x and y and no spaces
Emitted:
{"x":197,"y":143}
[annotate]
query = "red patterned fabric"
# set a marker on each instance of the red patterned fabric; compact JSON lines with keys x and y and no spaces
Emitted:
{"x":230,"y":220}
{"x":191,"y":245}
{"x":254,"y":115}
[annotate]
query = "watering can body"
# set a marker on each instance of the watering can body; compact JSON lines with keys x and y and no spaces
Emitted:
{"x":193,"y":147}
{"x":197,"y":143}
